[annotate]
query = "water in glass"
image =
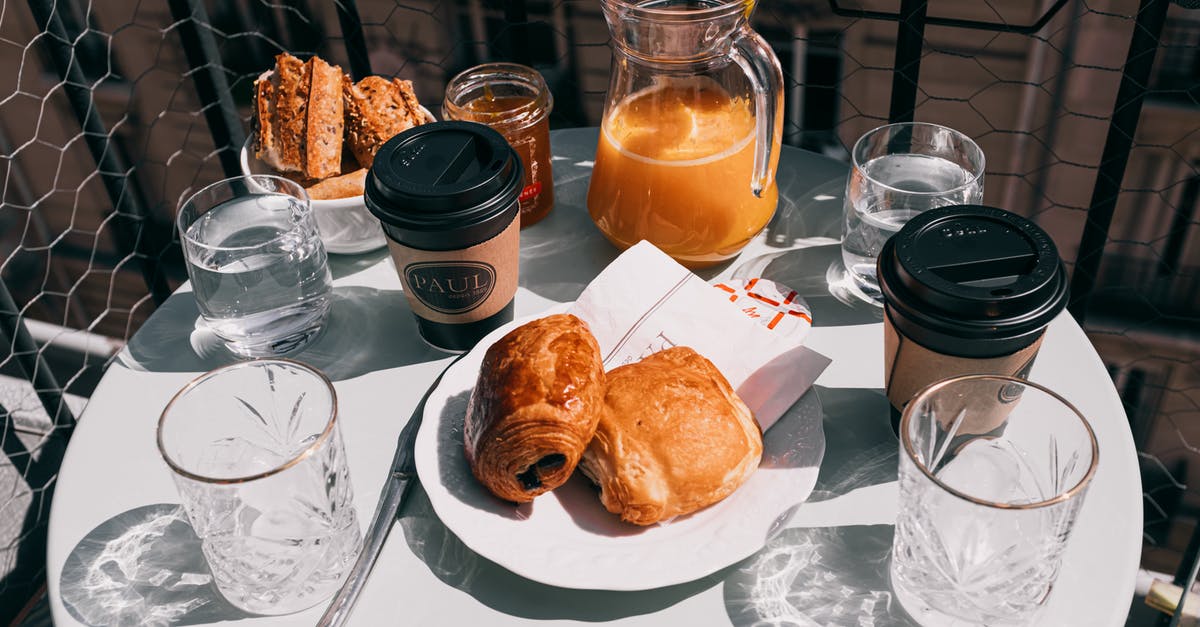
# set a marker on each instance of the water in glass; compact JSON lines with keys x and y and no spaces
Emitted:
{"x":890,"y":190}
{"x":899,"y":171}
{"x":259,"y":272}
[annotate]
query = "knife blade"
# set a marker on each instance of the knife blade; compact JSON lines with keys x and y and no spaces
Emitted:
{"x":401,"y":476}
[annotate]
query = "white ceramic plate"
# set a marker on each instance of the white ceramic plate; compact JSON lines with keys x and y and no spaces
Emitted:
{"x":566,"y":538}
{"x":346,"y":226}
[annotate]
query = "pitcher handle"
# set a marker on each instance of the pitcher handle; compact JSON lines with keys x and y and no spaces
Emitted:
{"x":753,"y":54}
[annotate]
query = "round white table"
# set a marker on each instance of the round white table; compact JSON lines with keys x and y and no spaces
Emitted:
{"x":119,"y":551}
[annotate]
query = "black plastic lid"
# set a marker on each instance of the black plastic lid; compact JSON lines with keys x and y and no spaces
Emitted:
{"x":971,"y":281}
{"x":445,"y":185}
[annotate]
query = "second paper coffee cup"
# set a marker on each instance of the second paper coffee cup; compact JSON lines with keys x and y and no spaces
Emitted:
{"x":967,"y":289}
{"x":446,"y":196}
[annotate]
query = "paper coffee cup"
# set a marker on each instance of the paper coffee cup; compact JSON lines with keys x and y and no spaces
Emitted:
{"x":968,"y":290}
{"x":446,"y":194}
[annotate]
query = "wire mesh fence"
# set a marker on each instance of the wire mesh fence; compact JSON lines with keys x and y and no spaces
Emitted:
{"x":1088,"y":112}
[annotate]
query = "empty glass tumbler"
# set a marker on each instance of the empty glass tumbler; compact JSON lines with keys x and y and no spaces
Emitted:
{"x":984,"y":519}
{"x":898,"y":171}
{"x":258,"y":461}
{"x":259,"y":271}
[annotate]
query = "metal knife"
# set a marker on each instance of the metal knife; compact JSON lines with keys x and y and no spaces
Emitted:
{"x":395,"y":491}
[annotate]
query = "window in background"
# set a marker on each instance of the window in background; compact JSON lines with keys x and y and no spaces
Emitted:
{"x":1176,"y":76}
{"x":1183,"y":225}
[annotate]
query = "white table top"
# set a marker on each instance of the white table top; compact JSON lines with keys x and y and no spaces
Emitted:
{"x":828,"y":567}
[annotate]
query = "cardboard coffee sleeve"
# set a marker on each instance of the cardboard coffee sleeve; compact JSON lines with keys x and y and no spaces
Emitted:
{"x":967,"y":290}
{"x":446,"y":195}
{"x":910,"y":367}
{"x":460,"y":286}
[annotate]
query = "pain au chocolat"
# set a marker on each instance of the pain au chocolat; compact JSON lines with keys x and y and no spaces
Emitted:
{"x":535,"y":406}
{"x":674,"y":438}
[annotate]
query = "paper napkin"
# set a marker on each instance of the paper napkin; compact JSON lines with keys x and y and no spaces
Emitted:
{"x":644,"y":302}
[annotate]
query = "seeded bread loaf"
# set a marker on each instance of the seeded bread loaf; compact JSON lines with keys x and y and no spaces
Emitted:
{"x":300,"y":119}
{"x":377,"y":109}
{"x":325,"y":124}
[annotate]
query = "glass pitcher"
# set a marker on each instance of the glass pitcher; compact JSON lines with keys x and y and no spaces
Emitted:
{"x":691,"y":133}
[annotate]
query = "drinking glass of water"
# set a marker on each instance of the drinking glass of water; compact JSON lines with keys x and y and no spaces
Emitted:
{"x":993,"y":470}
{"x":900,"y":170}
{"x":258,"y":268}
{"x":258,"y":461}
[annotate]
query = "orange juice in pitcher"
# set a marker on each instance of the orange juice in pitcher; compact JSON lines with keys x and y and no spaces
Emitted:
{"x":673,"y":167}
{"x":690,"y":139}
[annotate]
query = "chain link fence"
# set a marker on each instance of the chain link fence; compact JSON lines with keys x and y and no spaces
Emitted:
{"x":1088,"y":112}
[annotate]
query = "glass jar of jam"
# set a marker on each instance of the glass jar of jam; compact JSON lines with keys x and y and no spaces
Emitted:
{"x":514,"y":100}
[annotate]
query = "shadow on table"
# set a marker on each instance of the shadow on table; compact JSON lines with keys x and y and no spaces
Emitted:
{"x":860,"y":448}
{"x":810,"y":214}
{"x":561,"y":254}
{"x":367,"y":330}
{"x":808,"y":210}
{"x":835,"y":576}
{"x":143,"y":566}
{"x":456,"y":565}
{"x":346,"y":265}
{"x":817,"y":275}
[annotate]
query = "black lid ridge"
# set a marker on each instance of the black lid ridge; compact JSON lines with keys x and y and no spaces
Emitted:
{"x":972,"y":280}
{"x":444,"y":185}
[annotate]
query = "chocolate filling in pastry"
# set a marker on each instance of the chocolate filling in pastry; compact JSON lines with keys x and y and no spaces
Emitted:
{"x":534,"y":408}
{"x":530,"y":480}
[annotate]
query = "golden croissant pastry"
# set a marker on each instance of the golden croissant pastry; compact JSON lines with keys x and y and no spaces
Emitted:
{"x":535,"y":406}
{"x":675,"y":438}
